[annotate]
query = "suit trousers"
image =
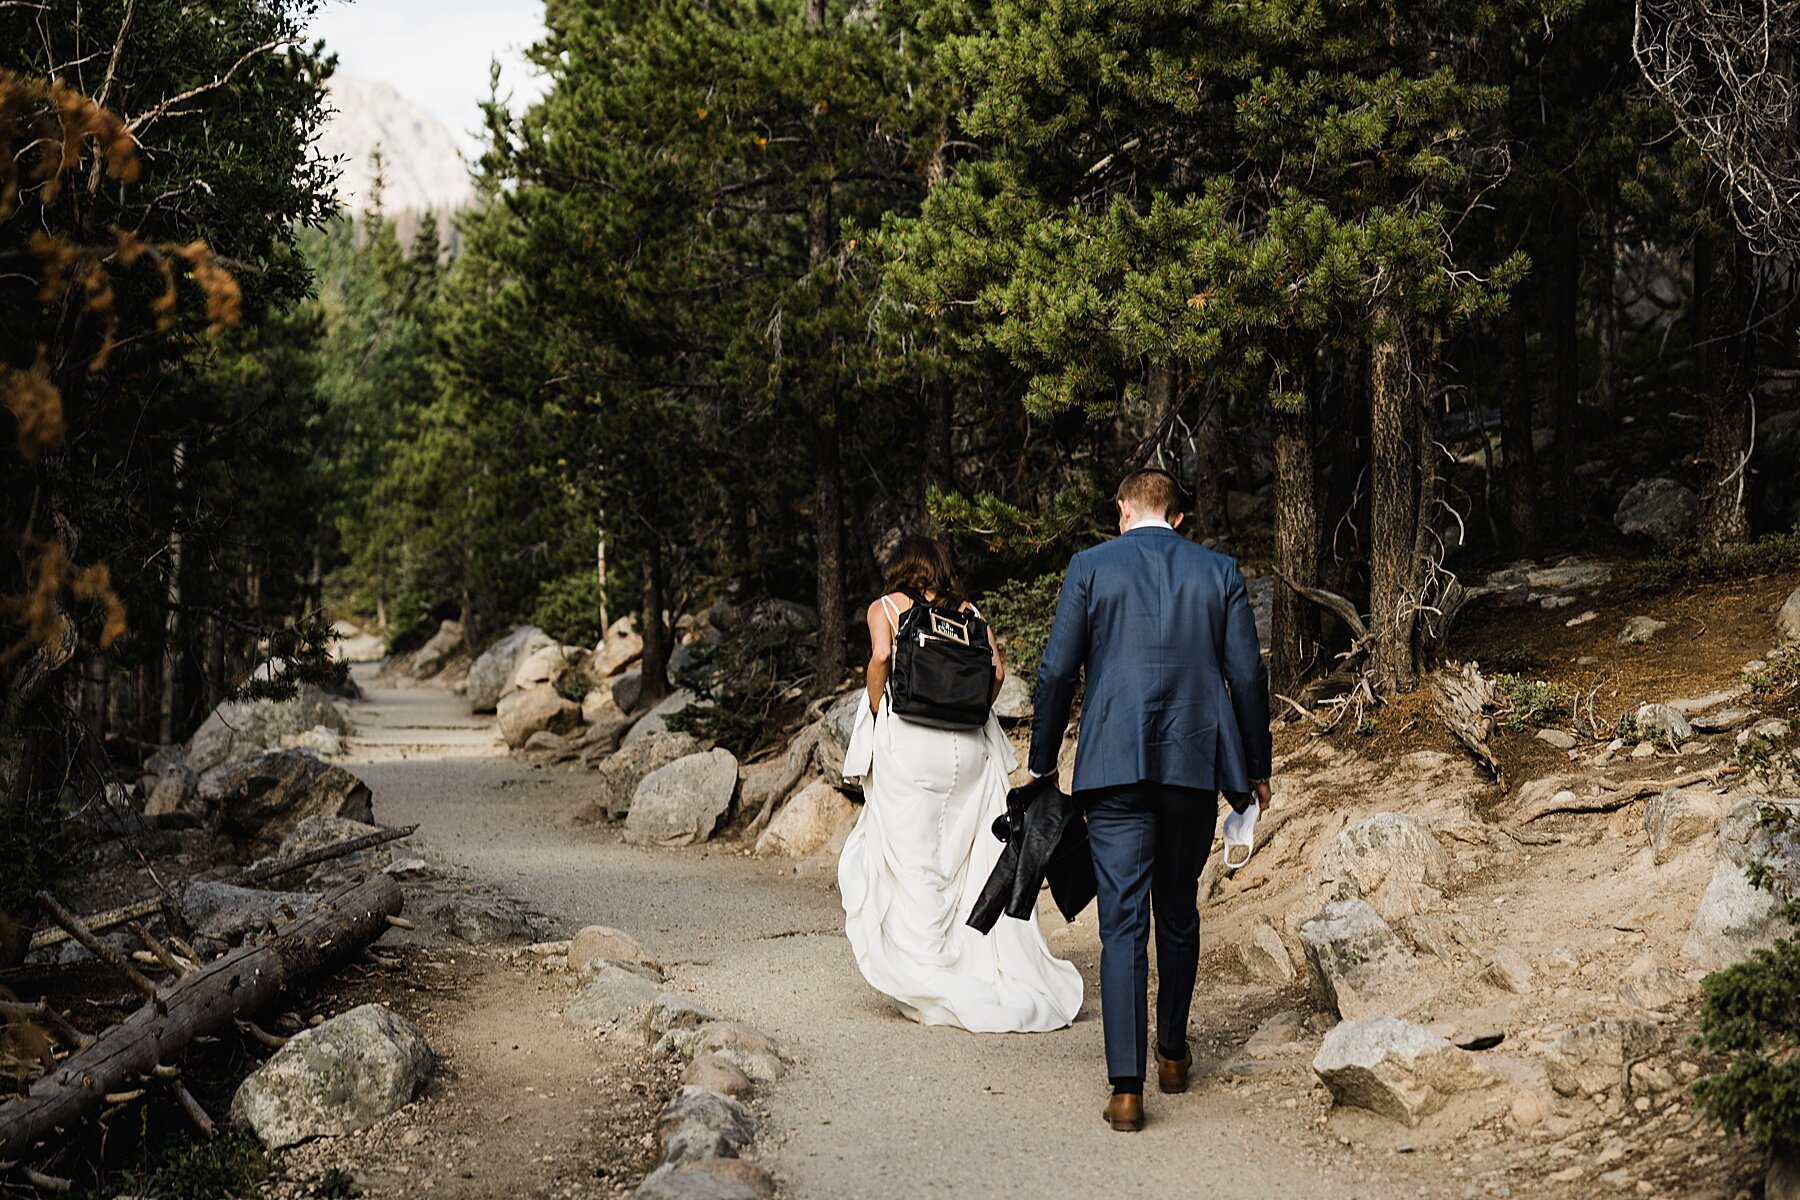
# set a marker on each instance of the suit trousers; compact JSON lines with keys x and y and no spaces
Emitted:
{"x":1149,"y":842}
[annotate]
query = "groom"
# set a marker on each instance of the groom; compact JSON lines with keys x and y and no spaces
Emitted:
{"x":1176,"y":711}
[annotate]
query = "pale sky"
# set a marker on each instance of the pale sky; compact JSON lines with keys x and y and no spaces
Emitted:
{"x":436,"y":52}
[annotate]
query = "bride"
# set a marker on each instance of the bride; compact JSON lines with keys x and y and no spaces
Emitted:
{"x":924,"y":846}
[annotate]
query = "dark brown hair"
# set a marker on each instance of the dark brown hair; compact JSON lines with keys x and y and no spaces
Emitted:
{"x":1151,"y":490}
{"x":923,"y":565}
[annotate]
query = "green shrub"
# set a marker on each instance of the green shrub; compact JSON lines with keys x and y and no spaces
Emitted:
{"x":1689,"y":564}
{"x":230,"y":1165}
{"x":1530,"y":701}
{"x":569,"y":607}
{"x":1020,"y":612}
{"x":1750,"y":1016}
{"x":1775,"y":680}
{"x":1766,"y":757}
{"x":756,"y":678}
{"x":1516,"y":660}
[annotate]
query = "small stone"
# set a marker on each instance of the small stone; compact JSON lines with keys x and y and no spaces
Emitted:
{"x":717,"y":1073}
{"x":1787,"y":619}
{"x":1643,"y":750}
{"x":1508,"y":971}
{"x":1639,"y":630}
{"x":1395,"y":1068}
{"x":1583,"y":619}
{"x":602,"y":941}
{"x":1722,"y":720}
{"x":1264,"y":955}
{"x":1528,"y":1109}
{"x":609,"y":995}
{"x":670,"y":1011}
{"x":1664,"y":721}
{"x":336,"y":1078}
{"x":1587,"y":1060}
{"x":482,"y":919}
{"x":1560,"y":739}
{"x":699,"y":1123}
{"x":1564,"y":958}
{"x":410,"y":870}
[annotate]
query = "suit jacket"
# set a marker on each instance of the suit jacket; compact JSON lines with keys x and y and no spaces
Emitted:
{"x":1046,"y":839}
{"x":1177,"y":692}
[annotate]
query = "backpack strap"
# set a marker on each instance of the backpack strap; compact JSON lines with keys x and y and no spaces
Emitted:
{"x":893,"y":613}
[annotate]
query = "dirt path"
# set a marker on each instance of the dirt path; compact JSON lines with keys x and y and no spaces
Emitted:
{"x":878,"y":1107}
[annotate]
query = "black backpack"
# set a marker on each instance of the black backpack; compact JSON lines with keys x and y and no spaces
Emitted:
{"x":942,"y":670}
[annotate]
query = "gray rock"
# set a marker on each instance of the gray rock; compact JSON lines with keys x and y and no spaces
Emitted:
{"x":1390,"y":860}
{"x":656,"y":721}
{"x":1679,"y":817}
{"x":550,"y":664}
{"x":616,"y":781}
{"x":699,"y":1123}
{"x":335,"y":1078}
{"x":318,"y":740}
{"x":774,"y":611}
{"x":1591,"y":1058}
{"x":672,"y":1011}
{"x":717,"y":1073}
{"x":681,"y":803}
{"x":620,"y":646}
{"x":240,"y":729}
{"x":531,"y":710}
{"x":705,"y":1180}
{"x":628,"y":688}
{"x":611,"y":993}
{"x":411,"y":870}
{"x":1640,"y":629}
{"x":1787,"y":619}
{"x":1648,"y":984}
{"x":811,"y":821}
{"x":482,"y":919}
{"x":1395,"y":1068}
{"x":493,"y":669}
{"x":1689,"y":706}
{"x":835,"y":729}
{"x":262,"y":801}
{"x":1736,"y":917}
{"x":1356,"y":964}
{"x":1014,"y":701}
{"x":545,"y":742}
{"x":1669,"y":726}
{"x":430,"y":658}
{"x":177,"y":790}
{"x":602,"y":941}
{"x":1264,"y":955}
{"x":1722,"y":720}
{"x":317,"y":832}
{"x":750,"y":1050}
{"x":1782,"y":1180}
{"x":598,"y":708}
{"x":1559,"y":738}
{"x":1508,"y":971}
{"x":1659,"y":509}
{"x":225,"y":913}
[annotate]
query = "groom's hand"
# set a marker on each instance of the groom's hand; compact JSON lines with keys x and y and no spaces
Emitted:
{"x":1261,"y":790}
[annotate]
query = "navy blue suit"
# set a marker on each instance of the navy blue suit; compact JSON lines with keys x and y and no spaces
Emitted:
{"x":1176,"y":710}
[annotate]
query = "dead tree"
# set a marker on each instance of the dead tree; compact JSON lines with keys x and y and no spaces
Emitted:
{"x":144,"y":1045}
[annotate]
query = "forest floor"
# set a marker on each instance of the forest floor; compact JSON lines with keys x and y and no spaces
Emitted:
{"x":878,"y":1107}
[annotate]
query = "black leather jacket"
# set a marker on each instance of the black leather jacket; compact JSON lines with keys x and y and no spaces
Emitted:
{"x":1046,"y":838}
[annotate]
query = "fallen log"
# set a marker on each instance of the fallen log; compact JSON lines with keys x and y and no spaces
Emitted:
{"x":197,"y":1004}
{"x":1463,"y":698}
{"x":262,"y":874}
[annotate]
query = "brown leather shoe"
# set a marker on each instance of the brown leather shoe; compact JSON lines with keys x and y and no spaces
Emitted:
{"x":1125,"y":1112}
{"x":1172,"y":1073}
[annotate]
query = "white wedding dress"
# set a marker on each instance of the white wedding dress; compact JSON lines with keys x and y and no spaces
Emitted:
{"x":912,"y":868}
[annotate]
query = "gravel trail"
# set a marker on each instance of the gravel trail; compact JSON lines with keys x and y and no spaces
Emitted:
{"x":878,"y":1107}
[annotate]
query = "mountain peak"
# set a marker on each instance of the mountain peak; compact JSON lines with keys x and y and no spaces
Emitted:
{"x":420,"y":160}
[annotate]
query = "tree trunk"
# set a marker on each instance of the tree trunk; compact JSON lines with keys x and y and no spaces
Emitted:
{"x":1393,"y":508}
{"x":1565,"y":364}
{"x":1293,"y":632}
{"x":1721,"y":334}
{"x":1606,"y":313}
{"x":1212,"y":507}
{"x":1518,"y":457}
{"x":828,"y":526}
{"x":171,"y":656}
{"x":940,"y":459}
{"x":657,"y":642}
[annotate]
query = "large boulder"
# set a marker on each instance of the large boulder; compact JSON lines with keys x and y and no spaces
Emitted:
{"x":335,"y":1078}
{"x":480,"y":920}
{"x":1679,"y":817}
{"x":1014,"y":701}
{"x":223,"y":914}
{"x":1592,"y":1058}
{"x":616,"y":782}
{"x":1663,"y":723}
{"x":1390,"y":860}
{"x":1659,"y":509}
{"x":317,"y":832}
{"x":260,"y":802}
{"x":681,"y":803}
{"x":618,"y":648}
{"x":657,"y":719}
{"x":611,"y":992}
{"x":835,"y":728}
{"x":1735,"y":916}
{"x":177,"y":791}
{"x":546,"y":664}
{"x":1787,"y":618}
{"x":534,"y":710}
{"x":493,"y":670}
{"x":240,"y":729}
{"x":1357,"y":965}
{"x":442,"y":646}
{"x":594,"y":943}
{"x":808,"y":823}
{"x":1395,"y":1068}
